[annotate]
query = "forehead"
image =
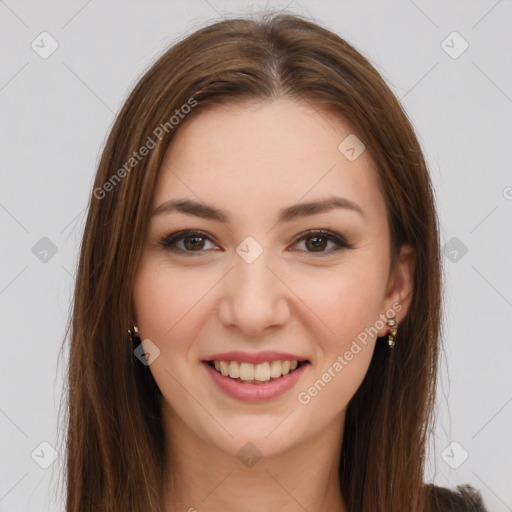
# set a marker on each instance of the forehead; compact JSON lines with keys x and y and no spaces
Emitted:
{"x":245,"y":155}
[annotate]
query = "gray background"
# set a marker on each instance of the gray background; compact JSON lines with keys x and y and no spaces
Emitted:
{"x":57,"y":111}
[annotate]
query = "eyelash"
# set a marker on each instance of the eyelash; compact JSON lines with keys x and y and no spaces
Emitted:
{"x":169,"y":242}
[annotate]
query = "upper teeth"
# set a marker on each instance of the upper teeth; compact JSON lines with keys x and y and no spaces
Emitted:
{"x":249,"y":371}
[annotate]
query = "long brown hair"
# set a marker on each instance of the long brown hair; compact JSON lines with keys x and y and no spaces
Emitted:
{"x":114,"y":432}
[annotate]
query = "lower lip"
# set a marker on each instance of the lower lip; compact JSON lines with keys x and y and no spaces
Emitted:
{"x":256,"y":392}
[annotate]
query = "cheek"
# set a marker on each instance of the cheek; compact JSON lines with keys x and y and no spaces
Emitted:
{"x":349,"y":304}
{"x":165,"y":300}
{"x":344,"y":301}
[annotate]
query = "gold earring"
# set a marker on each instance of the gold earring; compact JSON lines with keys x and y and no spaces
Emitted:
{"x":393,"y":324}
{"x":135,"y":333}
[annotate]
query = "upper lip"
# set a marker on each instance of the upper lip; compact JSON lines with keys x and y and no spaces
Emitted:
{"x":255,"y":357}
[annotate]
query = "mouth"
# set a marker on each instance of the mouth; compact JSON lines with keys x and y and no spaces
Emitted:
{"x":259,"y":374}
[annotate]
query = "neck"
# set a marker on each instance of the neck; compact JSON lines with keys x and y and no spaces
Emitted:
{"x":204,"y":478}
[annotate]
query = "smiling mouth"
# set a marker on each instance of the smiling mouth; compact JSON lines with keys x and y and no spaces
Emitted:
{"x":261,"y":373}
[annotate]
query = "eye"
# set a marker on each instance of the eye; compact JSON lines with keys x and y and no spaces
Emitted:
{"x":189,"y":242}
{"x":193,"y":242}
{"x":317,"y":241}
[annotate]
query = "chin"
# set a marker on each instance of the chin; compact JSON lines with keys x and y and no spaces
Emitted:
{"x":255,"y":435}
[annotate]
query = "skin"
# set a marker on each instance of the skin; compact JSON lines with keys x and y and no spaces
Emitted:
{"x":252,"y":160}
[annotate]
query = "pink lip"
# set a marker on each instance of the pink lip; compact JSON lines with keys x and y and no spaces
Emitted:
{"x":255,"y":392}
{"x":255,"y":358}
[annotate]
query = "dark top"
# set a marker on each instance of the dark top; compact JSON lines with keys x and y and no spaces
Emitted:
{"x":464,"y":499}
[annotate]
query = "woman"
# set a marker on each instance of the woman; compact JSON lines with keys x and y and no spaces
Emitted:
{"x":262,"y":224}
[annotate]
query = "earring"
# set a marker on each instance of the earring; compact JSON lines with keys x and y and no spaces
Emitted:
{"x":134,"y":334}
{"x":393,"y":324}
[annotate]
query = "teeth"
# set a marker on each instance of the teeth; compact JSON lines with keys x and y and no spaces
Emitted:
{"x":261,"y":372}
{"x":246,"y":371}
{"x":275,"y":369}
{"x":224,"y":369}
{"x":234,"y":370}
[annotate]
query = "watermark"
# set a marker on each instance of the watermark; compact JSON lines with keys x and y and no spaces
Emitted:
{"x":454,"y":455}
{"x":145,"y":149}
{"x":455,"y":249}
{"x":305,"y":397}
{"x":454,"y":45}
{"x":44,"y":250}
{"x":44,"y":455}
{"x":249,"y":249}
{"x":249,"y":455}
{"x":147,"y":352}
{"x":44,"y":45}
{"x":351,"y":147}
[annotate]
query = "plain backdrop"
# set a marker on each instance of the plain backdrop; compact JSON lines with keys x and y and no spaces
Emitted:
{"x":56,"y":112}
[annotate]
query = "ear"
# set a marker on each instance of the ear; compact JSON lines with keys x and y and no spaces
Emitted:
{"x":400,"y":286}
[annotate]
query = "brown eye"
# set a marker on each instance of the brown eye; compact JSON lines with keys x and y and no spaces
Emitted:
{"x":186,"y":242}
{"x":193,"y":242}
{"x":317,"y":241}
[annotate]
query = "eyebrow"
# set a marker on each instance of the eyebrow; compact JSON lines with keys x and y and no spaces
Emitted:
{"x":205,"y":211}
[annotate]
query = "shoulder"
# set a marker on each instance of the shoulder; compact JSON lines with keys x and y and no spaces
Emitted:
{"x":464,"y":499}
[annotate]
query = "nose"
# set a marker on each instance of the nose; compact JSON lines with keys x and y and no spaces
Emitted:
{"x":255,"y":298}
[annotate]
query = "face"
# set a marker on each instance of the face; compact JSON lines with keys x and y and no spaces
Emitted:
{"x":242,"y":277}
